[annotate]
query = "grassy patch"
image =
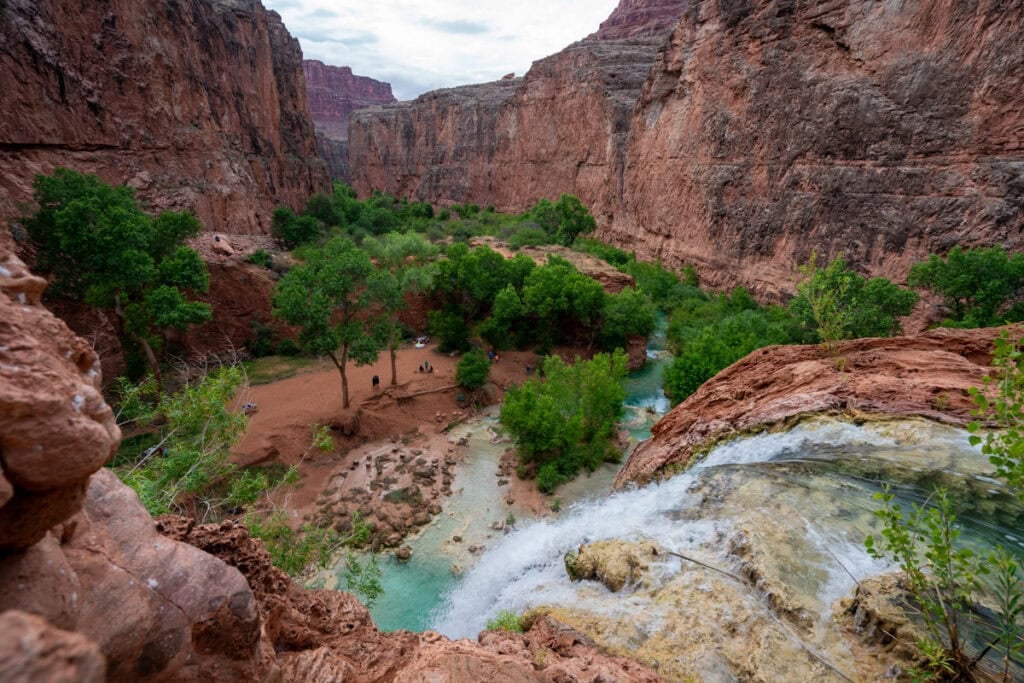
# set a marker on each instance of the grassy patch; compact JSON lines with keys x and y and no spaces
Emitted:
{"x":276,"y":368}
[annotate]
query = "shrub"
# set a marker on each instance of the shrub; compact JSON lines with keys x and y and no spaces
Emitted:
{"x":505,"y":620}
{"x":528,"y":236}
{"x":473,"y":370}
{"x":260,"y":258}
{"x":563,"y":220}
{"x":295,"y":230}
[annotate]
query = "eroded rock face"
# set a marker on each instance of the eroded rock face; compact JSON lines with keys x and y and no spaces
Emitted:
{"x":323,"y":635}
{"x":884,"y":131}
{"x":195,"y":105}
{"x":925,"y":376}
{"x":51,"y":411}
{"x":640,"y":17}
{"x":764,"y":131}
{"x":334,"y":93}
{"x":33,"y":650}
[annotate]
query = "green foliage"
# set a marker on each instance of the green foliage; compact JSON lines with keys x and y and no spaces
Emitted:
{"x":101,"y":248}
{"x":291,"y":551}
{"x":528,"y":235}
{"x":260,"y":258}
{"x":505,"y":620}
{"x":473,"y":370}
{"x":1002,"y":401}
{"x":666,"y":288}
{"x":363,"y":578}
{"x":981,"y":286}
{"x":451,"y":329}
{"x":709,"y":333}
{"x":196,"y":432}
{"x":839,"y":304}
{"x":568,"y":420}
{"x":606,"y":252}
{"x":247,"y":487}
{"x":626,"y":314}
{"x":295,"y":230}
{"x":946,"y":580}
{"x":563,"y":220}
{"x":326,"y":297}
{"x":322,"y":439}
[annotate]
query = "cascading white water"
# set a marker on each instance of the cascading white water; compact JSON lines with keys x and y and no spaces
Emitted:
{"x":526,"y":568}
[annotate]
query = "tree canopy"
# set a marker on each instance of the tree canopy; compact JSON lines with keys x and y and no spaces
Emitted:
{"x":981,"y":286}
{"x":101,"y":248}
{"x":326,"y":297}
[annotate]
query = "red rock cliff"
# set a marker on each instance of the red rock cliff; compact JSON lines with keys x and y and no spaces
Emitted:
{"x":765,"y":129}
{"x":335,"y":92}
{"x":640,"y":17}
{"x":562,"y":128}
{"x":882,"y":130}
{"x":198,"y":104}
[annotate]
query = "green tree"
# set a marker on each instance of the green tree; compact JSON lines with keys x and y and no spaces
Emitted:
{"x":101,"y":248}
{"x":295,"y":230}
{"x":404,"y":260}
{"x":568,"y":420}
{"x":473,"y":370}
{"x":981,"y":286}
{"x":557,"y":295}
{"x":840,"y":304}
{"x":328,"y":297}
{"x":626,"y":314}
{"x":563,"y":220}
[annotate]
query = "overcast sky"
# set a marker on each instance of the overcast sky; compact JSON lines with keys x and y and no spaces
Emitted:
{"x":420,"y":45}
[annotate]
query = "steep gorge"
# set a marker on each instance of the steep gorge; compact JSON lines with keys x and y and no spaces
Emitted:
{"x":762,"y":130}
{"x":198,"y":105}
{"x":334,"y":93}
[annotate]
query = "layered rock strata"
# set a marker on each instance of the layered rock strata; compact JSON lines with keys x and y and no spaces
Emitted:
{"x":197,"y":105}
{"x":334,"y":93}
{"x":763,"y":131}
{"x":883,"y":131}
{"x":561,"y":129}
{"x":926,"y":376}
{"x":634,"y":18}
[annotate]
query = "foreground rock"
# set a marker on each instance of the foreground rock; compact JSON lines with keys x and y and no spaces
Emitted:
{"x":925,"y":376}
{"x":196,"y":105}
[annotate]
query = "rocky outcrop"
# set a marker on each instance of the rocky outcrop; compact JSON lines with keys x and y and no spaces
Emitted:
{"x":321,"y":635}
{"x":925,"y":376}
{"x":334,"y":92}
{"x":197,"y":105}
{"x":34,"y":650}
{"x":634,"y":18}
{"x":51,"y":411}
{"x":770,"y":129}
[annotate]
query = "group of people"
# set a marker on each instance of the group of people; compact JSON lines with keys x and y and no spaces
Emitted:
{"x":425,"y":366}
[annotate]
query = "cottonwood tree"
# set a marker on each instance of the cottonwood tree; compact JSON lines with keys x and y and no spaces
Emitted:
{"x":403,"y":261}
{"x":101,"y":248}
{"x":329,"y":298}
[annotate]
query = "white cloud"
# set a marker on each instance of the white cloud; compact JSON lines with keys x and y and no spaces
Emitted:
{"x":420,"y":45}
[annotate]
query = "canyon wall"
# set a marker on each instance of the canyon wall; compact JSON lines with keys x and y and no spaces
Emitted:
{"x":196,"y":104}
{"x":764,"y":130}
{"x":881,"y":130}
{"x":634,"y":18}
{"x":334,"y":93}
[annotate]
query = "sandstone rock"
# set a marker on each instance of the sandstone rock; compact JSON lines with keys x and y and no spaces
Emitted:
{"x":34,"y":650}
{"x":403,"y":554}
{"x":50,"y":412}
{"x":334,"y":92}
{"x":884,"y":132}
{"x":926,"y":376}
{"x":640,"y":17}
{"x":197,"y":106}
